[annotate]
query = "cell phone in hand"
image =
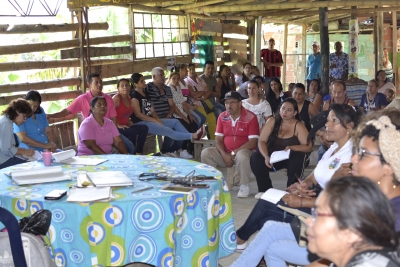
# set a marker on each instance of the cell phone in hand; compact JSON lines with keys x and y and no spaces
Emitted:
{"x":55,"y":194}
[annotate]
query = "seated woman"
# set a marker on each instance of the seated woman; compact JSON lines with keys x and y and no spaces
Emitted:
{"x":16,"y":112}
{"x":281,"y":132}
{"x":137,"y":134}
{"x":313,"y":94}
{"x":199,"y":92}
{"x":98,"y":134}
{"x":275,"y":94}
{"x":144,"y":114}
{"x":243,"y":78}
{"x":383,"y":83}
{"x":35,"y":132}
{"x":362,"y":234}
{"x":182,"y":113}
{"x":390,"y":95}
{"x":225,"y":83}
{"x":341,"y":120}
{"x":255,"y":104}
{"x":307,"y":109}
{"x":372,"y":100}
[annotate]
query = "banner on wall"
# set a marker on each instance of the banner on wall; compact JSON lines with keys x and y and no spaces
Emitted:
{"x":354,"y":48}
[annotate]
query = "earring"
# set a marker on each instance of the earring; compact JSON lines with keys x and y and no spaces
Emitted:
{"x":379,"y":182}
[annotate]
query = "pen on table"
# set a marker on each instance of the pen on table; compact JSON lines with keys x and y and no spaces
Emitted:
{"x":143,"y":189}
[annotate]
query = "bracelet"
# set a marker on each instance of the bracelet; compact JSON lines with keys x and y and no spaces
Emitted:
{"x":301,"y":202}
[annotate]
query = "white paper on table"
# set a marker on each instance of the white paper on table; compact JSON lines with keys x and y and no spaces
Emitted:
{"x":89,"y":194}
{"x":109,"y":178}
{"x":273,"y":195}
{"x":279,"y":156}
{"x":68,"y":157}
{"x":39,"y":175}
{"x":35,"y":157}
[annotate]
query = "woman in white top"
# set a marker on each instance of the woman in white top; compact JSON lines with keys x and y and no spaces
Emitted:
{"x":383,"y":83}
{"x":341,"y":121}
{"x":255,"y":104}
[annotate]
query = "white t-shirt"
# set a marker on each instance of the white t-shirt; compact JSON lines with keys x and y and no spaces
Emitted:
{"x":329,"y":163}
{"x":261,"y":110}
{"x":386,"y":86}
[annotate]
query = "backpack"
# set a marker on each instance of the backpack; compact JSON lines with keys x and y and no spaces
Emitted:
{"x":14,"y":245}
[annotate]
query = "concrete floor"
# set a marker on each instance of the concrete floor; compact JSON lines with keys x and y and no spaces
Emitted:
{"x":243,"y":206}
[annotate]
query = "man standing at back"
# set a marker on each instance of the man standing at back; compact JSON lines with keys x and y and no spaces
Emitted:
{"x":273,"y":62}
{"x":82,"y":104}
{"x":313,"y":64}
{"x":339,"y":63}
{"x":235,"y":138}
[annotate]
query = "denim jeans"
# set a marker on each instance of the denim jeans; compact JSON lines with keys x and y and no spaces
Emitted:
{"x":321,"y":152}
{"x":129,"y":145}
{"x":276,"y":242}
{"x":173,"y":131}
{"x":12,"y":161}
{"x":262,"y":212}
{"x":200,"y":118}
{"x":137,"y":134}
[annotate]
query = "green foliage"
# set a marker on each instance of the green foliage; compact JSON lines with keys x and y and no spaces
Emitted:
{"x":13,"y":77}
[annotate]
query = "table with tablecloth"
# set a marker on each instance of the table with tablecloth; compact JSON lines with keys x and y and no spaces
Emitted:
{"x":159,"y":228}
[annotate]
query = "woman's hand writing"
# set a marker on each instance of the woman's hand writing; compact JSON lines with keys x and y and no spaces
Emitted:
{"x":269,"y":165}
{"x":292,"y":200}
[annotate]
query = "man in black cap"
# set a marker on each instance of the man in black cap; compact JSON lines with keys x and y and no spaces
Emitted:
{"x":236,"y":136}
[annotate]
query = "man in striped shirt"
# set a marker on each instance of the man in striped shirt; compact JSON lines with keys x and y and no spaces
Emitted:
{"x":272,"y":60}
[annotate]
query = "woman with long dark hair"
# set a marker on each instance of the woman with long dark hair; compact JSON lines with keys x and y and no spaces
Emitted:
{"x":313,"y":94}
{"x":383,"y":82}
{"x":282,"y":132}
{"x":225,"y":82}
{"x":275,"y":94}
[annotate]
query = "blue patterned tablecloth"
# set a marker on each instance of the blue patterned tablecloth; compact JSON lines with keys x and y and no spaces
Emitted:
{"x":149,"y":226}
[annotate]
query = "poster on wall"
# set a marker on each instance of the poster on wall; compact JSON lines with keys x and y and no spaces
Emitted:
{"x":354,"y":48}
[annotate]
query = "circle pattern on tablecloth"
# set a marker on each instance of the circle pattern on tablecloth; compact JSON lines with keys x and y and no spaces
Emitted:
{"x":59,"y":215}
{"x":166,"y":258}
{"x":67,"y":236}
{"x":21,"y":205}
{"x":35,"y":206}
{"x":204,"y":203}
{"x":187,"y":242}
{"x":178,"y":206}
{"x":181,"y":223}
{"x":60,"y":258}
{"x":178,"y":260}
{"x":96,"y":233}
{"x":33,"y":196}
{"x":204,"y":260}
{"x":117,"y":254}
{"x":213,"y":239}
{"x":142,"y":249}
{"x":148,"y":215}
{"x":223,"y":210}
{"x":51,"y":234}
{"x":197,"y":224}
{"x":113,"y":216}
{"x":228,"y":237}
{"x":17,"y":194}
{"x":192,"y":200}
{"x":76,"y":256}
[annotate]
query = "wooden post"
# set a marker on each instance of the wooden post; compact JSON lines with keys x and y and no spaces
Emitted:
{"x":131,"y":19}
{"x":285,"y":36}
{"x":379,"y":48}
{"x":257,"y":53}
{"x":250,"y":41}
{"x":324,"y":41}
{"x":394,"y":47}
{"x":304,"y":50}
{"x":84,"y":45}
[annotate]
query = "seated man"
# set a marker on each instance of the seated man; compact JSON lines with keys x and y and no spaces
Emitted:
{"x":235,"y":138}
{"x":82,"y":104}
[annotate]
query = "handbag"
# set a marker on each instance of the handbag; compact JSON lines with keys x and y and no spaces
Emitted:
{"x":208,"y":106}
{"x":299,"y":230}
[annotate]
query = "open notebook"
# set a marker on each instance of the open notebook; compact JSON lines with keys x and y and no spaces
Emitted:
{"x":39,"y":175}
{"x":89,"y":194}
{"x":68,"y":157}
{"x":109,"y":178}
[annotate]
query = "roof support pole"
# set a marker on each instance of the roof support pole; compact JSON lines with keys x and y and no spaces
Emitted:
{"x":394,"y":47}
{"x":324,"y":40}
{"x":378,"y":34}
{"x":251,"y":34}
{"x":285,"y":37}
{"x":257,"y":51}
{"x":304,"y":50}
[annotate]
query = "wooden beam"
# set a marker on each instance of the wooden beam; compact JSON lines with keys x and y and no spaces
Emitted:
{"x":22,"y":87}
{"x":39,"y":28}
{"x":257,"y":54}
{"x":197,"y":5}
{"x":304,"y":50}
{"x":157,"y":10}
{"x":394,"y":48}
{"x":379,"y":53}
{"x":107,"y":71}
{"x":4,"y":100}
{"x":285,"y":37}
{"x":287,"y":5}
{"x":72,"y":4}
{"x":232,"y":28}
{"x":324,"y":44}
{"x":222,"y":17}
{"x":96,"y":52}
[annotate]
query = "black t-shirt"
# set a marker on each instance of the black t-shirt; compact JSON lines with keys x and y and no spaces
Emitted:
{"x":144,"y":103}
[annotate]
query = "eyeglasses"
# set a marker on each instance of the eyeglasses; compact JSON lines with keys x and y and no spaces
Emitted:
{"x":362,"y":152}
{"x":231,"y":103}
{"x":315,"y":214}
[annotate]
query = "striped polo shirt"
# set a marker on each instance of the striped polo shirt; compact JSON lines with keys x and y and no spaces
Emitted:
{"x":272,"y":57}
{"x":159,"y":101}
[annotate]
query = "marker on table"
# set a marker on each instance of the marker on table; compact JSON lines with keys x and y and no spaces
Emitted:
{"x":143,"y":189}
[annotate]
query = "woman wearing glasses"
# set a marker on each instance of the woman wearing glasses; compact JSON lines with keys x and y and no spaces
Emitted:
{"x":340,"y":123}
{"x":16,"y":112}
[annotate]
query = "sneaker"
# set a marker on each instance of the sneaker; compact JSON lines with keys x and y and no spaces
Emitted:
{"x":171,"y":155}
{"x":258,"y":195}
{"x":241,"y":247}
{"x":185,"y":154}
{"x":244,"y":190}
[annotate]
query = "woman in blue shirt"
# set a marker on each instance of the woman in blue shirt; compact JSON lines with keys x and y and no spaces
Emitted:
{"x":35,"y":132}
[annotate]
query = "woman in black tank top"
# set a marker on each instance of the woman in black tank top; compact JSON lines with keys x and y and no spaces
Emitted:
{"x":225,"y":82}
{"x":281,"y":133}
{"x":307,"y":109}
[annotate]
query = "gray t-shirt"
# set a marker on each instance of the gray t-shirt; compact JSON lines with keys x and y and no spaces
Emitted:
{"x":211,"y":84}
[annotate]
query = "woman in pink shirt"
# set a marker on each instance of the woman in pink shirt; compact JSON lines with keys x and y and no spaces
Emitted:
{"x":98,"y":134}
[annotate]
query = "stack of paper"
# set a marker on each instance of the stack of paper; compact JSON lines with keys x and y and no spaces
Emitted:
{"x":112,"y":178}
{"x":39,"y":175}
{"x":68,"y":157}
{"x":89,"y":194}
{"x":279,"y":156}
